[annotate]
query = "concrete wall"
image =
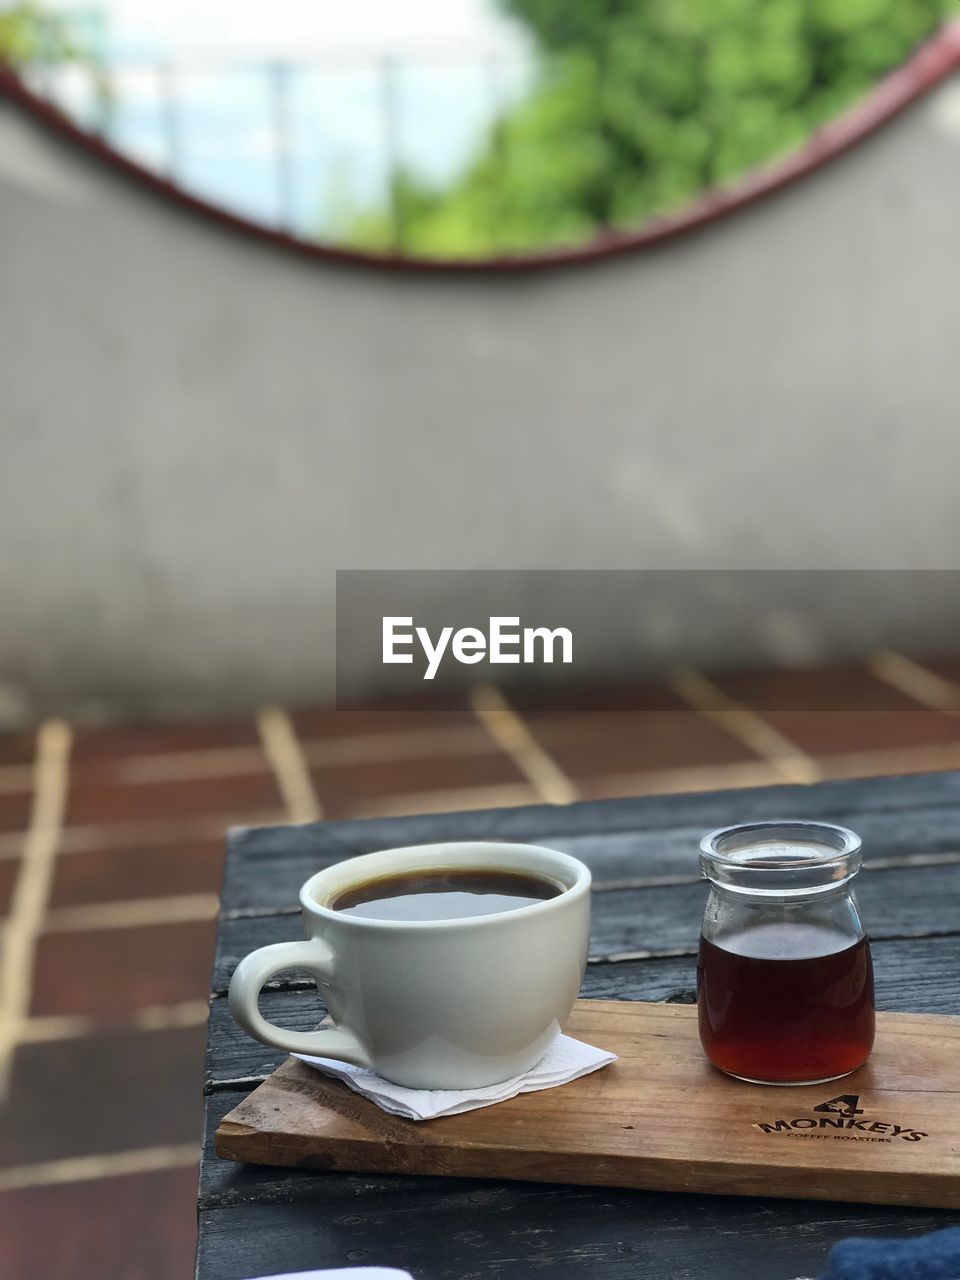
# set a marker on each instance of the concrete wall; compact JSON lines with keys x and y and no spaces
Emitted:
{"x":198,"y":430}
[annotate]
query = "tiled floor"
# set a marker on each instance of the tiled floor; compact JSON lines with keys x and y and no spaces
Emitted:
{"x":110,"y":861}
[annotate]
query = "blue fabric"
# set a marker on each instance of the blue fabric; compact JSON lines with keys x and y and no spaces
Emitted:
{"x":930,"y":1257}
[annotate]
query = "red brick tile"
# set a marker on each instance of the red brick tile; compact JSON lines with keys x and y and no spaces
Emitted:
{"x":108,"y":973}
{"x":8,"y":878}
{"x":150,"y":871}
{"x":748,"y":773}
{"x":593,"y":746}
{"x":17,"y":748}
{"x":114,"y":742}
{"x":848,"y":686}
{"x":542,"y":703}
{"x":15,"y":809}
{"x":509,"y":797}
{"x":385,"y":717}
{"x":870,"y":765}
{"x":947,"y":666}
{"x":102,"y":1094}
{"x":830,"y":733}
{"x":93,"y":800}
{"x":139,"y":1227}
{"x":831,"y":710}
{"x":342,"y":786}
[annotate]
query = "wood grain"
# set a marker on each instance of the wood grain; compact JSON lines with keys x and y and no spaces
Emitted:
{"x":659,"y":1119}
{"x":254,"y":1218}
{"x":258,"y":1220}
{"x":665,"y":919}
{"x":911,"y":974}
{"x":617,"y":838}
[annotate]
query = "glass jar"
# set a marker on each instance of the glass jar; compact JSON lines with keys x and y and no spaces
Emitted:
{"x":784,"y":974}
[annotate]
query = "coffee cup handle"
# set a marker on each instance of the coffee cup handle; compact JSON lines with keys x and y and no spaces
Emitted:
{"x":256,"y":969}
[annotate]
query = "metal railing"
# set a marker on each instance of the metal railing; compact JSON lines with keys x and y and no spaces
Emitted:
{"x":149,"y":110}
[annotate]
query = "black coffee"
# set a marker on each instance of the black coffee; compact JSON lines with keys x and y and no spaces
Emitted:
{"x":444,"y":895}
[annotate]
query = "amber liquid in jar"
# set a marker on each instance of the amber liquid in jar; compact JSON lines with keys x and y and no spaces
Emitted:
{"x":785,"y":1002}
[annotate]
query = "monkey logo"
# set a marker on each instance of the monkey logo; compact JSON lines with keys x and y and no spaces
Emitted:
{"x":844,"y":1105}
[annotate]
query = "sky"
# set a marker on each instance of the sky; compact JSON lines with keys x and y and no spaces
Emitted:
{"x":454,"y":63}
{"x":293,"y":27}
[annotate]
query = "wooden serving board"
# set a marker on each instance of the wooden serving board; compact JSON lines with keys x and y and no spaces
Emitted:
{"x":661,"y":1118}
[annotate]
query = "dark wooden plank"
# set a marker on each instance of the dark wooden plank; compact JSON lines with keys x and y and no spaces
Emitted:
{"x":256,"y":1221}
{"x":233,"y":1054}
{"x":615,"y":859}
{"x":895,"y":902}
{"x":455,"y":1230}
{"x":619,"y":839}
{"x":913,"y":975}
{"x":226,"y":1184}
{"x":263,"y":1221}
{"x":618,"y":1128}
{"x":500,"y":1231}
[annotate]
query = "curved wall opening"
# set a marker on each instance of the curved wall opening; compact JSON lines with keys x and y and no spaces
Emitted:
{"x":381,"y":233}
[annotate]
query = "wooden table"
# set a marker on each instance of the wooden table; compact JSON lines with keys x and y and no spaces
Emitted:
{"x":646,"y":918}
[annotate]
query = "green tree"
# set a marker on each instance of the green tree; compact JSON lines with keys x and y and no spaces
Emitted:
{"x":29,"y":34}
{"x":639,"y":105}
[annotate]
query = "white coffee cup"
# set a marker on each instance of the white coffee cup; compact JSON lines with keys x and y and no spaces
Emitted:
{"x":433,"y":1004}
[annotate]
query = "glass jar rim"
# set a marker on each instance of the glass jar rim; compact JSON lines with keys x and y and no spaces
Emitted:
{"x":790,"y":858}
{"x":834,"y":839}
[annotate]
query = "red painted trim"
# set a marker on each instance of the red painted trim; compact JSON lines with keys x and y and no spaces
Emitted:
{"x":933,"y":62}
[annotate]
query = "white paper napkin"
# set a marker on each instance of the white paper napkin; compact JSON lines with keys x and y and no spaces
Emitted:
{"x":566,"y":1060}
{"x":363,"y":1273}
{"x":345,"y":1273}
